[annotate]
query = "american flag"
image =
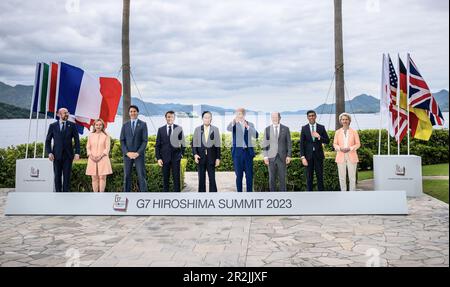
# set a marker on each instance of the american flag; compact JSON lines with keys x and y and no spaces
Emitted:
{"x":400,"y":124}
{"x":420,"y":96}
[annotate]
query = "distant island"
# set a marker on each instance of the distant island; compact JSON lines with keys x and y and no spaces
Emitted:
{"x":14,"y":103}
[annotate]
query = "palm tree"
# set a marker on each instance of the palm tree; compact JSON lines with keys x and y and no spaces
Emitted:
{"x":126,"y":100}
{"x":338,"y":61}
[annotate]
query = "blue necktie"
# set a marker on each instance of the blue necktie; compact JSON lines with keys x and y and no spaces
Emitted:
{"x":133,"y":126}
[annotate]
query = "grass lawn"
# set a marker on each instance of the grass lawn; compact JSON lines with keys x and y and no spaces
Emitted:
{"x":365,"y":174}
{"x":435,"y":169}
{"x":427,"y":170}
{"x":436,"y":188}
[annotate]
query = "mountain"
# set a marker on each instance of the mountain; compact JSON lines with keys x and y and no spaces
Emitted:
{"x":20,"y":96}
{"x":161,"y":109}
{"x":366,"y":104}
{"x":442,"y":99}
{"x":13,"y":112}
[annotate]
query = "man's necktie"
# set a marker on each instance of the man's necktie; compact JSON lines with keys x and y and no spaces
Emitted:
{"x":133,"y":126}
{"x":170,"y":131}
{"x":276,"y":132}
{"x":313,"y":130}
{"x":63,"y":127}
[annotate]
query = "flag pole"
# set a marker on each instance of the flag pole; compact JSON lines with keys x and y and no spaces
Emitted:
{"x":407,"y":97}
{"x":57,"y":90}
{"x":31,"y":109}
{"x":381,"y":103}
{"x":46,"y":104}
{"x":397,"y":134}
{"x":389,"y":143}
{"x":37,"y":109}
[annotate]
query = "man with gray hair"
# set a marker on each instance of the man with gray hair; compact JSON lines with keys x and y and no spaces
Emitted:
{"x":242,"y":150}
{"x":277,"y":149}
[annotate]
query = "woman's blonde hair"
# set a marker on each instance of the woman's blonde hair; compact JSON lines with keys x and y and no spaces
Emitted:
{"x":103,"y":125}
{"x":345,"y":115}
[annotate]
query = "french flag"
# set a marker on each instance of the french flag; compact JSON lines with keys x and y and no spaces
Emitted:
{"x":85,"y":97}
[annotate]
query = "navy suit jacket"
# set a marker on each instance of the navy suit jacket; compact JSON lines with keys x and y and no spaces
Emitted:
{"x":62,"y":141}
{"x":170,"y":149}
{"x":307,"y":144}
{"x":237,"y":135}
{"x":136,"y":142}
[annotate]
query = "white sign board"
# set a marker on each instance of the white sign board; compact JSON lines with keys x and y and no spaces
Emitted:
{"x":193,"y":203}
{"x":34,"y":175}
{"x":398,"y":172}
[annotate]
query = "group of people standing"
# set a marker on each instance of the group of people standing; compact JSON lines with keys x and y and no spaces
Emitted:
{"x":206,"y":150}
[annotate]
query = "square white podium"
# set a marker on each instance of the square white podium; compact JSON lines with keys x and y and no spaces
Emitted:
{"x":34,"y":175}
{"x":398,"y":172}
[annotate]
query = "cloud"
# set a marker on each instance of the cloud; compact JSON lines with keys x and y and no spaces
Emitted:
{"x":261,"y":54}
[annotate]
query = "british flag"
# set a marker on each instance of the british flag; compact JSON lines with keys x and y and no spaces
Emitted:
{"x":400,"y":124}
{"x":420,"y":96}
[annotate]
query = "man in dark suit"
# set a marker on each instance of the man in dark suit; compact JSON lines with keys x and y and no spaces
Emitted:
{"x":277,"y":148}
{"x":133,"y":141}
{"x":206,"y":144}
{"x":169,"y":149}
{"x":242,"y":150}
{"x":62,"y":152}
{"x":312,"y":137}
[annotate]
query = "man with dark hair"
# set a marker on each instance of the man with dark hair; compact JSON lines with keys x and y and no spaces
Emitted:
{"x":133,"y":107}
{"x":169,"y":150}
{"x":312,"y":136}
{"x":206,"y":144}
{"x":133,"y":141}
{"x":62,"y":152}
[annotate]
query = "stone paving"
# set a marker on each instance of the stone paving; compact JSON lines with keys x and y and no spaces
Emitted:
{"x":419,"y":239}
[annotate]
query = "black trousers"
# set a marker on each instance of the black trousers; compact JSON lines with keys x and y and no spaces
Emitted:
{"x":202,"y":169}
{"x":175,"y":168}
{"x":315,"y":164}
{"x":62,"y":169}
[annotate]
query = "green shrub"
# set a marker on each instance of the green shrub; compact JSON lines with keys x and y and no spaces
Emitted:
{"x":81,"y":182}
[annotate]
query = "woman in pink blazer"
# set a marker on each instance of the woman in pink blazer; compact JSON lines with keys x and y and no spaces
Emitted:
{"x":346,"y":143}
{"x":97,"y":147}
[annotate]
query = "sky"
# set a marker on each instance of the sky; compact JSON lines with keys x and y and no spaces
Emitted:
{"x":264,"y":55}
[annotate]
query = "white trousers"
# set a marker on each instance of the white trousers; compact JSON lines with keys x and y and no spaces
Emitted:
{"x":342,"y":168}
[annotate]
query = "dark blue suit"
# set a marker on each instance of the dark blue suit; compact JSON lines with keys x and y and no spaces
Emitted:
{"x":313,"y":152}
{"x":243,"y":153}
{"x":170,"y":150}
{"x":134,"y":142}
{"x":63,"y":151}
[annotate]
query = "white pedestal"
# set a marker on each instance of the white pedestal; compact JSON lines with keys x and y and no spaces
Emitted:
{"x":34,"y":175}
{"x":398,"y":172}
{"x":210,"y":203}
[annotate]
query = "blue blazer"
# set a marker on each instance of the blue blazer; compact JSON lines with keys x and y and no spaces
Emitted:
{"x":62,"y":141}
{"x":237,"y":133}
{"x":136,"y":142}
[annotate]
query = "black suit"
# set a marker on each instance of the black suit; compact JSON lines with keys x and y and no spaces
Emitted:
{"x":63,"y":151}
{"x":209,"y":152}
{"x":312,"y":150}
{"x":170,"y":150}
